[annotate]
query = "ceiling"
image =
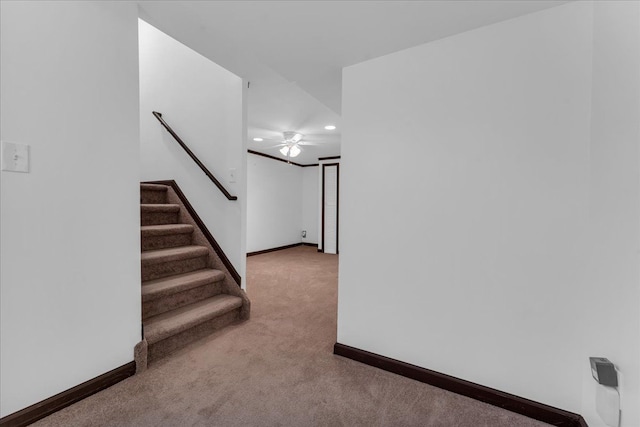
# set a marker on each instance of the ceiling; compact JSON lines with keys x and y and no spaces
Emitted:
{"x":293,"y":52}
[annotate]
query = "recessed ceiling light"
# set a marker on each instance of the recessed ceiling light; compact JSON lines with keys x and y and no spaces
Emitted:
{"x":329,"y":127}
{"x":258,"y":139}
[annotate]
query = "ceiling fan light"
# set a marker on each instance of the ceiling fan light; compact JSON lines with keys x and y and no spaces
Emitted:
{"x":294,"y":151}
{"x":284,"y":150}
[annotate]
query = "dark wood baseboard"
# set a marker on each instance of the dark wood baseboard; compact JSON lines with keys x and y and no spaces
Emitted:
{"x":207,"y":234}
{"x":510,"y":402}
{"x":55,"y":403}
{"x":279,"y":248}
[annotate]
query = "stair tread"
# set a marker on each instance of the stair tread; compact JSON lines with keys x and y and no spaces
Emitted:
{"x":164,"y":325}
{"x":165,"y":229}
{"x":173,"y":254}
{"x":153,"y":187}
{"x":159,"y":207}
{"x":157,"y":288}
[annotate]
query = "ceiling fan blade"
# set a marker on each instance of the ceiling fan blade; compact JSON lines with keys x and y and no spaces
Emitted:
{"x":322,"y":138}
{"x":271,"y":146}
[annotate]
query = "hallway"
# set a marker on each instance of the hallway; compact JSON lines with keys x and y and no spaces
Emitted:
{"x":278,"y":369}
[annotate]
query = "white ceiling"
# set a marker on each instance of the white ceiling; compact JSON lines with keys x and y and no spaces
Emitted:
{"x":293,"y":52}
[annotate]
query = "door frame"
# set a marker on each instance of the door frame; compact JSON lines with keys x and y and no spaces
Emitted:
{"x":337,"y":204}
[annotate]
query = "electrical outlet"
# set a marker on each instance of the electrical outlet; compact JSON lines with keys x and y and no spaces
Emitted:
{"x":15,"y":157}
{"x":304,"y":233}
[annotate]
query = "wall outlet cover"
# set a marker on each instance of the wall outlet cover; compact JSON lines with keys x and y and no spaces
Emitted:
{"x":15,"y":157}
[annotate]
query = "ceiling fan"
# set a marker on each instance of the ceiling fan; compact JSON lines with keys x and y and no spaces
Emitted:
{"x":291,"y":143}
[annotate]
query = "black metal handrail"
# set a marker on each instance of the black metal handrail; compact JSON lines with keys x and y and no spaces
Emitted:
{"x":193,"y":156}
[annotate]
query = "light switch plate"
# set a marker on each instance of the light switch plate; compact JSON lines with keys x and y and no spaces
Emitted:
{"x":15,"y":157}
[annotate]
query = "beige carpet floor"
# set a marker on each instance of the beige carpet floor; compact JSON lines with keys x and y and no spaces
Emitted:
{"x":277,"y":369}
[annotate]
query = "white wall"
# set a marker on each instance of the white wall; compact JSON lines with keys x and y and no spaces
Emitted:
{"x":487,"y":215}
{"x":310,"y":207}
{"x":282,"y":200}
{"x":204,"y":104}
{"x":70,"y":265}
{"x":612,"y":294}
{"x":274,"y":203}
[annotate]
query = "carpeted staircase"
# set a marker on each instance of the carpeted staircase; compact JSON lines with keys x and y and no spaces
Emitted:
{"x":186,"y":292}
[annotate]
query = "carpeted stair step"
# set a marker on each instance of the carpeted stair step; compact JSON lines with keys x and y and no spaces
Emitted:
{"x":183,"y":298}
{"x":165,"y":236}
{"x":169,"y":331}
{"x":168,"y":262}
{"x":156,"y":214}
{"x":153,"y":193}
{"x":162,"y":295}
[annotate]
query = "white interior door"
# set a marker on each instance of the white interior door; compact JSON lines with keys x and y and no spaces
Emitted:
{"x":330,"y":177}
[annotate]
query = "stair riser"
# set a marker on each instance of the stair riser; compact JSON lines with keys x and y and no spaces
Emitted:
{"x":180,"y":299}
{"x":158,"y":218}
{"x":169,"y":268}
{"x":152,"y":197}
{"x":166,"y":241}
{"x":175,"y":342}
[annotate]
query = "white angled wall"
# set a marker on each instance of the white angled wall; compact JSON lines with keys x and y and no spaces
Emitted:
{"x":274,"y":203}
{"x":497,"y":172}
{"x":70,"y":266}
{"x":204,"y":104}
